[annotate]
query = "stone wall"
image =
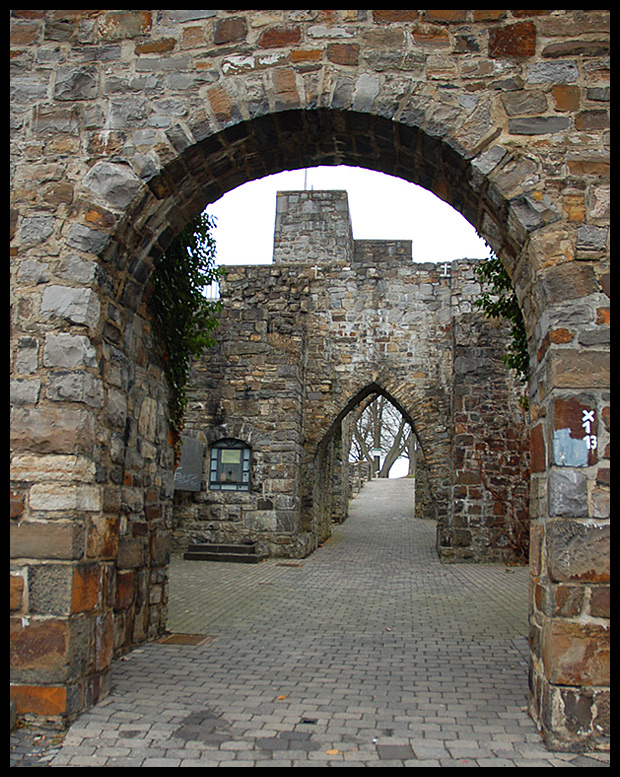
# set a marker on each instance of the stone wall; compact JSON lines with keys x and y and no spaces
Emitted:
{"x":303,"y":341}
{"x":125,"y":124}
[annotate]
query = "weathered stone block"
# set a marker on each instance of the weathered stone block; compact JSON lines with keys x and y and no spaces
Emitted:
{"x":56,"y":496}
{"x":116,"y":183}
{"x":49,"y":589}
{"x":41,"y":700}
{"x":576,"y":369}
{"x":102,"y":537}
{"x":49,"y":540}
{"x":16,"y":591}
{"x":68,"y":351}
{"x":279,"y":36}
{"x":578,"y":552}
{"x":86,"y":593}
{"x":591,"y":238}
{"x":513,"y":41}
{"x":125,"y":590}
{"x":574,"y":440}
{"x":76,"y":83}
{"x":131,"y":553}
{"x":36,"y":229}
{"x":538,"y":125}
{"x":81,"y":306}
{"x":230,"y":30}
{"x":75,"y":387}
{"x":50,"y":430}
{"x":119,"y":25}
{"x":552,"y":72}
{"x":576,"y":654}
{"x":568,"y":494}
{"x":40,"y":648}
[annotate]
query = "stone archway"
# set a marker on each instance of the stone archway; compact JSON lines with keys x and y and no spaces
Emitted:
{"x":127,"y":123}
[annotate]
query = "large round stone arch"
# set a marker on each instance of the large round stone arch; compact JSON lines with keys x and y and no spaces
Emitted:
{"x":127,"y":123}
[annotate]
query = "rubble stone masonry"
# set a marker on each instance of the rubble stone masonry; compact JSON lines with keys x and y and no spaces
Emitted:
{"x":126,"y":124}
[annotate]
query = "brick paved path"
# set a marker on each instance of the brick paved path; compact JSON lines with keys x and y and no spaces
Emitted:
{"x":367,"y":653}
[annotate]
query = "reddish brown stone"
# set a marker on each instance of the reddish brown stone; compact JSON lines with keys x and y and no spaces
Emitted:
{"x":230,"y":30}
{"x":468,"y":477}
{"x":567,"y":600}
{"x":16,"y":504}
{"x":343,"y":53}
{"x":221,"y":103}
{"x":39,"y":645}
{"x":279,"y":37}
{"x":600,"y":602}
{"x":156,"y":46}
{"x":433,"y":37}
{"x":119,"y":25}
{"x":387,"y":17}
{"x":125,"y":590}
{"x":285,"y":88}
{"x":538,"y":453}
{"x":445,"y":16}
{"x":513,"y":41}
{"x":487,"y":15}
{"x":561,"y":335}
{"x":603,"y":315}
{"x":104,"y":641}
{"x":305,"y":55}
{"x":603,"y":476}
{"x":522,"y":14}
{"x":102,"y":537}
{"x":46,"y":701}
{"x":99,"y":217}
{"x":47,"y":540}
{"x":24,"y":34}
{"x":86,"y":587}
{"x":592,"y":120}
{"x":606,"y":416}
{"x":588,"y":167}
{"x":576,"y":653}
{"x":567,"y":98}
{"x":192,"y":37}
{"x":16,"y":591}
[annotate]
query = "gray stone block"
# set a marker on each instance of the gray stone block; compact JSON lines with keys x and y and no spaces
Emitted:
{"x":568,"y":494}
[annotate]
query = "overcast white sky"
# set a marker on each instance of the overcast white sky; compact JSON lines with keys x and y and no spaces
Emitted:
{"x":382,"y":208}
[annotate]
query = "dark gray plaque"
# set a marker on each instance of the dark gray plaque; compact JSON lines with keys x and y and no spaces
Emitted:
{"x":188,"y":475}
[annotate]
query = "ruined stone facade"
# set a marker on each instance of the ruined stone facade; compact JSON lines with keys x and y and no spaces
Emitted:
{"x":303,"y":341}
{"x":127,"y":123}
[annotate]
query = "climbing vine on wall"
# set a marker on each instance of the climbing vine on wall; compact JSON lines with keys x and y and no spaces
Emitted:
{"x":184,"y":317}
{"x":498,"y":300}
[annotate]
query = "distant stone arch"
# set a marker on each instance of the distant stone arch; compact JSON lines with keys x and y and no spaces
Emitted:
{"x":127,"y":123}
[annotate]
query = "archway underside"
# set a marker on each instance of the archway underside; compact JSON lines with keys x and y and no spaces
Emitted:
{"x":500,"y":113}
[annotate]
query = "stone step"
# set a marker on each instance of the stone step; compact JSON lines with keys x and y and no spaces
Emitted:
{"x":206,"y":551}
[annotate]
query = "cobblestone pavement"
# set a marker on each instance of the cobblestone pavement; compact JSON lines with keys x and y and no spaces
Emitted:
{"x":367,"y":653}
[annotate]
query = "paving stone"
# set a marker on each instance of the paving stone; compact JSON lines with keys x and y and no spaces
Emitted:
{"x":293,"y":678}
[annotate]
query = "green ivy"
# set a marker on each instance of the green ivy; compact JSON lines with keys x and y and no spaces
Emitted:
{"x":498,"y":300}
{"x":184,"y":318}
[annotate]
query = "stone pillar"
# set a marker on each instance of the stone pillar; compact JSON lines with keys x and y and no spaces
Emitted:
{"x":570,"y":511}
